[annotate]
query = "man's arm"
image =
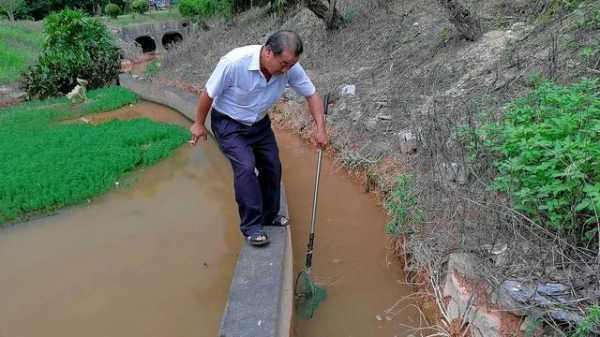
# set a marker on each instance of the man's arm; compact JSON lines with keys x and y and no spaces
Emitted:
{"x":198,"y":129}
{"x":315,"y":106}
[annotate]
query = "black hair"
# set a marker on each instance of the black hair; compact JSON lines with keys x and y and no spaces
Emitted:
{"x":285,"y":39}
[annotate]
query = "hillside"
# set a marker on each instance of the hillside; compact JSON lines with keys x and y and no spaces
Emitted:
{"x":419,"y":84}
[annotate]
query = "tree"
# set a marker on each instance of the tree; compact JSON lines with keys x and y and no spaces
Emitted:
{"x":75,"y":46}
{"x":329,"y":14}
{"x":467,"y":23}
{"x":11,"y":7}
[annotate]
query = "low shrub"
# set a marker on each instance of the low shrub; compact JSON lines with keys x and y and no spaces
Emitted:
{"x":75,"y":46}
{"x":548,"y":158}
{"x":152,"y":69}
{"x":112,"y":10}
{"x":198,"y":9}
{"x":402,"y":208}
{"x":139,"y":6}
{"x":590,"y":324}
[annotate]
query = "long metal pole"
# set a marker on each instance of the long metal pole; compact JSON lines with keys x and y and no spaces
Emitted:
{"x":313,"y":221}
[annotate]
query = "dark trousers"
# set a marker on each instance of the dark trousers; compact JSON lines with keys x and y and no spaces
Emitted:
{"x":247,"y":148}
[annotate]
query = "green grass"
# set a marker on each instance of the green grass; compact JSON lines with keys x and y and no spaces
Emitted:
{"x":48,"y":164}
{"x":149,"y":17}
{"x":19,"y":47}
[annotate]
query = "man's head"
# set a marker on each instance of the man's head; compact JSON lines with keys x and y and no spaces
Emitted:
{"x":281,"y":51}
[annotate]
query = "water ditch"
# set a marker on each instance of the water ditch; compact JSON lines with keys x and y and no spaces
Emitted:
{"x":367,"y":293}
{"x":156,"y":256}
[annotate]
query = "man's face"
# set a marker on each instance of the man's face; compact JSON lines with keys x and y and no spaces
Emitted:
{"x":279,"y":64}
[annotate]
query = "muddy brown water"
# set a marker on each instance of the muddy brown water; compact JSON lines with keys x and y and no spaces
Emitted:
{"x":155,"y":257}
{"x":367,"y":293}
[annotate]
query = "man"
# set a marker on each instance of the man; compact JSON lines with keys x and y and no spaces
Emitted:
{"x":245,"y":84}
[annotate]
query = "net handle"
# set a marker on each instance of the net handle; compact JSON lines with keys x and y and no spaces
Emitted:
{"x":313,"y":221}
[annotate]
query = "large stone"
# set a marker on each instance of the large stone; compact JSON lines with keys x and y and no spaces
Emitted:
{"x":371,"y":124}
{"x":453,"y":173}
{"x":408,"y":141}
{"x":348,"y":90}
{"x":468,"y":300}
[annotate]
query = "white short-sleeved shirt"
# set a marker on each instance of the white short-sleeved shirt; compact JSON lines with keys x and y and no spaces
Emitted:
{"x":240,"y":90}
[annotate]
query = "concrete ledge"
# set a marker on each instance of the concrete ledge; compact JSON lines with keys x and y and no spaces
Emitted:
{"x":261,"y":292}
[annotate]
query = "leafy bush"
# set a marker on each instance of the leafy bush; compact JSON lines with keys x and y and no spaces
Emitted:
{"x":152,"y":69}
{"x":112,"y":10}
{"x":402,"y":207}
{"x":51,"y":164}
{"x":548,"y":158}
{"x":590,"y":323}
{"x":139,"y":6}
{"x":197,"y":9}
{"x":75,"y":46}
{"x":556,"y":8}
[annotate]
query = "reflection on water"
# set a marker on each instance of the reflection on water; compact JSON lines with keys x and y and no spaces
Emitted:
{"x":152,"y":258}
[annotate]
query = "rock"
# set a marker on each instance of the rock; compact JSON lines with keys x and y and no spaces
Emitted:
{"x":454,"y":173}
{"x":126,"y":65}
{"x":467,"y":298}
{"x":552,"y":289}
{"x":348,"y":90}
{"x":384,"y":117}
{"x":497,"y":249}
{"x":18,"y":95}
{"x":408,"y":141}
{"x":5,"y":90}
{"x":371,"y":124}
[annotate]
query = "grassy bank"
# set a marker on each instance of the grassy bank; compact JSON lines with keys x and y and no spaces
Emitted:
{"x":19,"y":47}
{"x":49,"y":164}
{"x":150,"y":17}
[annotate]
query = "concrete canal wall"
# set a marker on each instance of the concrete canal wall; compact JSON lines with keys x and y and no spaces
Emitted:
{"x":261,"y":293}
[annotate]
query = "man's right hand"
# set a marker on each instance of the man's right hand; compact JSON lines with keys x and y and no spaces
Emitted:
{"x":199,"y":132}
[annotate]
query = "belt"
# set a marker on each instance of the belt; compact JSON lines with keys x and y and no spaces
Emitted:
{"x":218,"y":113}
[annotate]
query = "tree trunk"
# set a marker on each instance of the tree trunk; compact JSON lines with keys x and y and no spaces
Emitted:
{"x":331,"y":16}
{"x":11,"y":16}
{"x":466,"y":23}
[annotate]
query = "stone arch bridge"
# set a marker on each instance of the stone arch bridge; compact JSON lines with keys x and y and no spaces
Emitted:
{"x":152,"y":37}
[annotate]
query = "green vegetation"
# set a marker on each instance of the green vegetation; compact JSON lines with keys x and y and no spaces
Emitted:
{"x":402,"y":207}
{"x":49,"y":163}
{"x":19,"y":47}
{"x":591,"y":321}
{"x":149,"y":17}
{"x":548,"y":158}
{"x":556,"y":8}
{"x":152,"y":69}
{"x":139,"y":6}
{"x":200,"y":9}
{"x":39,"y":9}
{"x":112,"y":10}
{"x":75,"y":45}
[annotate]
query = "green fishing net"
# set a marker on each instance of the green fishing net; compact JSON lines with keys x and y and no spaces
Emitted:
{"x":308,"y":296}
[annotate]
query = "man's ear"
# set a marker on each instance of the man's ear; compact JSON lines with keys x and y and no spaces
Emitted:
{"x":269,"y":51}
